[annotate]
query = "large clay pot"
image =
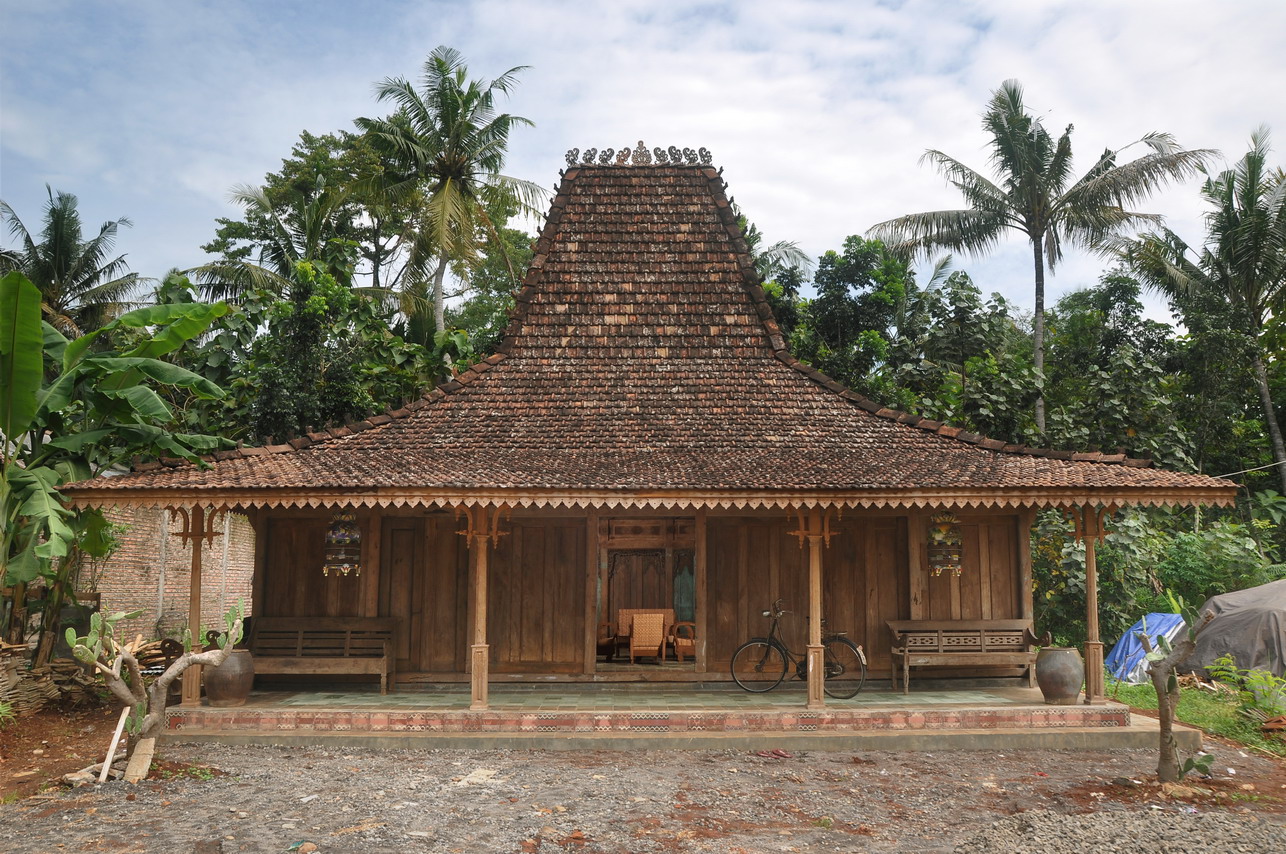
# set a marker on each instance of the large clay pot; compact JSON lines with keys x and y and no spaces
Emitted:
{"x":1059,"y":673}
{"x":229,"y":684}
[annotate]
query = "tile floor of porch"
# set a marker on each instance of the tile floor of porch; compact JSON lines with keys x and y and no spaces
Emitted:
{"x":638,"y":717}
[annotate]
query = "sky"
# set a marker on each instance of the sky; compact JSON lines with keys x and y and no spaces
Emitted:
{"x":817,"y":111}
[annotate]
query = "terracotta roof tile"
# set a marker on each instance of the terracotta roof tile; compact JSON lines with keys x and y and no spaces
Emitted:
{"x":643,"y":356}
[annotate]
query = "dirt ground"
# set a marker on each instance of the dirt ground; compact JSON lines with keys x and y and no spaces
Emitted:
{"x":209,"y":798}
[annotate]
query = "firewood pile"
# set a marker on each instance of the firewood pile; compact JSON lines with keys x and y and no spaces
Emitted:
{"x":29,"y":689}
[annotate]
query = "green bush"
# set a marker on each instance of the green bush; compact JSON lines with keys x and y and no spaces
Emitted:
{"x":1139,"y":562}
{"x":1262,"y":694}
{"x":6,"y":714}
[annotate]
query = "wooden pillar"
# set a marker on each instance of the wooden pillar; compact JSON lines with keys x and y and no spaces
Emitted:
{"x":699,"y":578}
{"x":198,"y":526}
{"x":815,"y":528}
{"x":482,"y":530}
{"x":1089,"y":529}
{"x":1026,"y":519}
{"x":816,"y":657}
{"x":594,"y":612}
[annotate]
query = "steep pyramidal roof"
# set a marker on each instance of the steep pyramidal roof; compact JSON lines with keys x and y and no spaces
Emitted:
{"x":643,"y":366}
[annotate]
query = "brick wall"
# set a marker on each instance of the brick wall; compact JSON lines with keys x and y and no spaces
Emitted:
{"x":151,"y":572}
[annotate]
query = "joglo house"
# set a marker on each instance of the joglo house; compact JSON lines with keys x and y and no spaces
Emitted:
{"x":642,"y":441}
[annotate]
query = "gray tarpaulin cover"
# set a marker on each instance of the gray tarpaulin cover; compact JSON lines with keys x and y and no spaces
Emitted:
{"x":1249,"y":624}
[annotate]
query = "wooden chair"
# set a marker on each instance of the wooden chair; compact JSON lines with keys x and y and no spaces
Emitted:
{"x":683,"y":637}
{"x":647,"y":636}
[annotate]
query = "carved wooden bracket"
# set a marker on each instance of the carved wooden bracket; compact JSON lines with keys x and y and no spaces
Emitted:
{"x":482,"y":522}
{"x":815,"y":522}
{"x":1089,"y":521}
{"x":197,"y":525}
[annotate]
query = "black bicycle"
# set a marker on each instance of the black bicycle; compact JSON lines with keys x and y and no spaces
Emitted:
{"x":760,"y":664}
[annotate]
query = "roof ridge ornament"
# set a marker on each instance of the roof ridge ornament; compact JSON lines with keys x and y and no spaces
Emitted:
{"x":640,"y":156}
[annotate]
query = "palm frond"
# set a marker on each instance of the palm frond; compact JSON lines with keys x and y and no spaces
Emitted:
{"x":919,"y":234}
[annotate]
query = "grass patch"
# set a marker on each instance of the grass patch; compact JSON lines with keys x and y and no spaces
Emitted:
{"x":1215,"y":714}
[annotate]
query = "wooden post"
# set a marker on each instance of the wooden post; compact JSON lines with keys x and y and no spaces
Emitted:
{"x":593,"y":613}
{"x":1026,"y":519}
{"x":700,"y":575}
{"x":197,"y":526}
{"x":1089,"y":529}
{"x":816,"y":529}
{"x":816,"y":657}
{"x":482,"y":530}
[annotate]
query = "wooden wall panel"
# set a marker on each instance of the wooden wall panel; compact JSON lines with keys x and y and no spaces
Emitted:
{"x":988,"y":587}
{"x":293,"y":584}
{"x":536,"y":613}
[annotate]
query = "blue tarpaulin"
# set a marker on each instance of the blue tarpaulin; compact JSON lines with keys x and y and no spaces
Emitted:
{"x":1125,"y":661}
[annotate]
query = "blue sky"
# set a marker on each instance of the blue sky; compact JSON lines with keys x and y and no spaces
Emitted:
{"x":817,"y":111}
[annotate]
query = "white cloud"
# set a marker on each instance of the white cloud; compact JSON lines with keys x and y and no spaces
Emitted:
{"x":818,"y":111}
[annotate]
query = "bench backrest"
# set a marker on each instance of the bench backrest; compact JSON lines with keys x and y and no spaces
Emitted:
{"x":322,"y":637}
{"x":962,"y":635}
{"x":625,"y":618}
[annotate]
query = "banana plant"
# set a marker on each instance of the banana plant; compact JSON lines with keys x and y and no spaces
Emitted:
{"x":70,"y":409}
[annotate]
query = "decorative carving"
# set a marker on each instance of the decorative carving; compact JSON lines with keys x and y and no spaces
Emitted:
{"x":946,"y":543}
{"x":638,"y":156}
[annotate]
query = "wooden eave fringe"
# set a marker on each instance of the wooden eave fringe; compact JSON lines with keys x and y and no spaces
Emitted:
{"x":583,"y":500}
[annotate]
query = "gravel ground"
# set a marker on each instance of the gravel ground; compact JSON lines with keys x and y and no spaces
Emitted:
{"x":266,"y":799}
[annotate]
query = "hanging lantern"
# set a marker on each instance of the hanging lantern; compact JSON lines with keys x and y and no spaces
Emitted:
{"x":945,"y":543}
{"x":343,"y":546}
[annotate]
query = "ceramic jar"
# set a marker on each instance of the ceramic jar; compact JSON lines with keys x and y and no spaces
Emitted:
{"x":1060,"y":673}
{"x":229,"y":684}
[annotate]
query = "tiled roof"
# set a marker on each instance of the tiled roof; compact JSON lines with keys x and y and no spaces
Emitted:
{"x":643,"y":359}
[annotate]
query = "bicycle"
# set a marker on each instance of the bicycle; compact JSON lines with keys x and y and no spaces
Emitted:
{"x":760,"y":664}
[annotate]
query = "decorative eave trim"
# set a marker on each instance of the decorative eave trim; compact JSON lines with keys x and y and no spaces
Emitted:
{"x":964,"y":499}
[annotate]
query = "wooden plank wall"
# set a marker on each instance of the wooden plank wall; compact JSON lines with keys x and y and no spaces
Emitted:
{"x":538,"y":620}
{"x":990,"y":543}
{"x":536,"y":611}
{"x":293,"y":584}
{"x":424,"y":576}
{"x":753,"y":561}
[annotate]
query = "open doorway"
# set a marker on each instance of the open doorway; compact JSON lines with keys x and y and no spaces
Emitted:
{"x":647,"y":567}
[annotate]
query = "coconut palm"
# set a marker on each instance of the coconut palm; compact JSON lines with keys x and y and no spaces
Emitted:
{"x":1242,"y":264}
{"x":452,"y":143}
{"x":1034,"y":192}
{"x":304,"y":231}
{"x":81,"y":286}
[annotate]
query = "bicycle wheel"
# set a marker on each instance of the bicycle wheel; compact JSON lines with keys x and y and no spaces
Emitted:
{"x":845,"y":669}
{"x":758,"y":666}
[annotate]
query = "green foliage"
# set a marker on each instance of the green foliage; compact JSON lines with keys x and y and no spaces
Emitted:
{"x":1262,"y":693}
{"x":81,"y":286}
{"x":1142,"y":567}
{"x":1216,"y":714}
{"x":1200,"y":763}
{"x":846,"y":330}
{"x":6,"y":714}
{"x":75,"y":408}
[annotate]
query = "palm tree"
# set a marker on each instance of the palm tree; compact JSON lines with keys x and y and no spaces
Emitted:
{"x":1243,"y":261}
{"x":452,"y":142}
{"x":1033,"y":192}
{"x":303,"y":231}
{"x":80,"y":288}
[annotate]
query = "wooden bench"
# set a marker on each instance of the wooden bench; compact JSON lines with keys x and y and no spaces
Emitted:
{"x":306,"y":645}
{"x":963,"y":643}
